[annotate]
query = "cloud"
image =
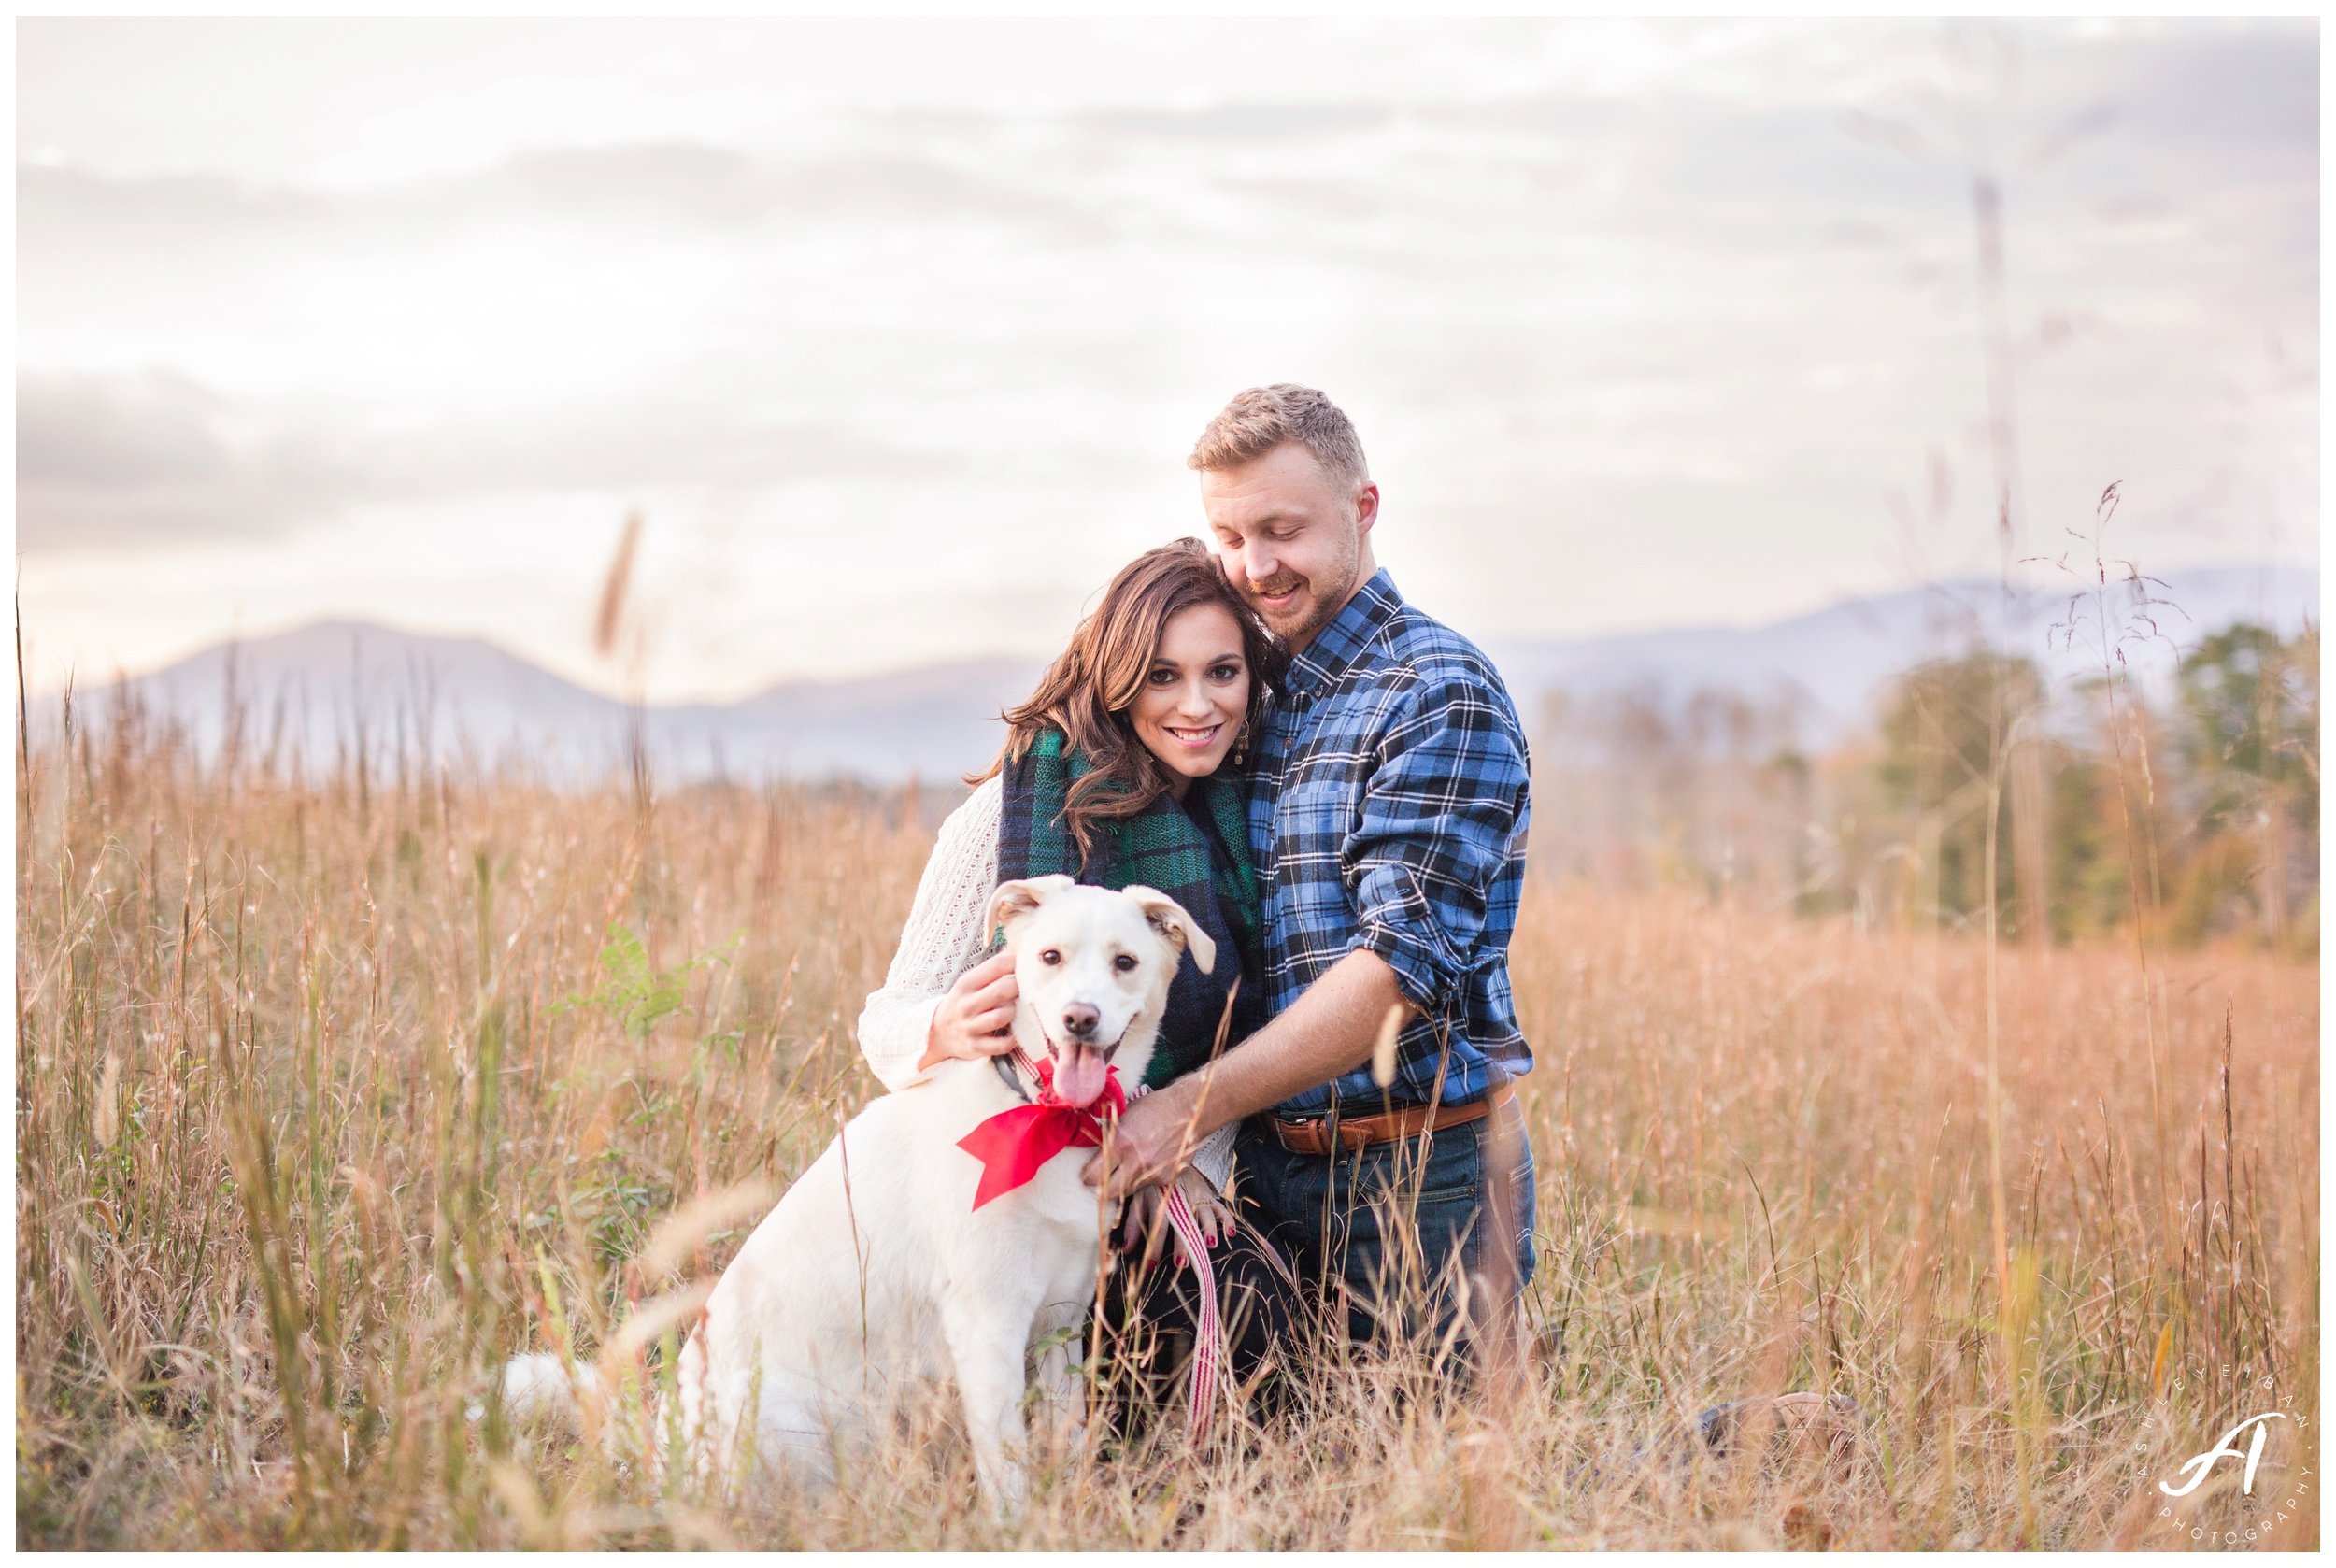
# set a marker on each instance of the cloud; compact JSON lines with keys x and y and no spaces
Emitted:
{"x":67,"y":209}
{"x":157,"y":428}
{"x":1712,"y":146}
{"x":2254,"y":85}
{"x":1629,"y":311}
{"x":153,"y":456}
{"x":1241,"y":123}
{"x":730,"y":190}
{"x":112,"y":460}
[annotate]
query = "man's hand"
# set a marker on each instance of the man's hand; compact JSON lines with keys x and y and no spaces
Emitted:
{"x":1151,"y":1142}
{"x":1329,"y":1029}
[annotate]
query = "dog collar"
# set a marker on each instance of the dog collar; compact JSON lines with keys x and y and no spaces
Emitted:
{"x":1019,"y":1070}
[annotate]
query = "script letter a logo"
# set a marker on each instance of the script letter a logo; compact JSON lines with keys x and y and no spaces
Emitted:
{"x":2203,"y":1463}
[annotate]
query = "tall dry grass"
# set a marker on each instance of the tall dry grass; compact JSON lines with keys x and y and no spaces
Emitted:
{"x":331,"y":1094}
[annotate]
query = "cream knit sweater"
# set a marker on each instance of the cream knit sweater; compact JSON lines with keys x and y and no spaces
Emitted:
{"x":947,"y":934}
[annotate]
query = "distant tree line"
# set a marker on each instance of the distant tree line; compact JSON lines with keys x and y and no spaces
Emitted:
{"x":2199,"y":815}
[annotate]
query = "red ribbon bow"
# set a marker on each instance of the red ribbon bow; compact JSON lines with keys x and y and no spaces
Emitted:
{"x":1013,"y":1144}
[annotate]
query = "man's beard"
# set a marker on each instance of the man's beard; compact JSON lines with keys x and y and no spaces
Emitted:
{"x":1323,"y":604}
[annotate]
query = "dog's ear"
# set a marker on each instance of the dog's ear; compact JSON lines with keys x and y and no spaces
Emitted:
{"x":1167,"y":917}
{"x":1013,"y":899}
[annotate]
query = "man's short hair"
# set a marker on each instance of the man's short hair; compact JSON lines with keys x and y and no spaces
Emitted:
{"x":1258,"y":421}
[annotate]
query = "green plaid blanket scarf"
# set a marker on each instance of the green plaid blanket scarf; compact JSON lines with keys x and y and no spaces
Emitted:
{"x":1196,"y":851}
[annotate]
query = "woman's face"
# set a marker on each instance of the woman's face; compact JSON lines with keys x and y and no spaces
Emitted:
{"x":1194,"y":695}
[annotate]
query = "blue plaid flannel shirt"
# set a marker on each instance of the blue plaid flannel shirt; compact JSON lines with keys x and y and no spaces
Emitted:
{"x":1389,"y":811}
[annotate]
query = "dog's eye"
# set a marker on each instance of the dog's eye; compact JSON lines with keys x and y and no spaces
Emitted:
{"x":1050,"y":956}
{"x":1124,"y":962}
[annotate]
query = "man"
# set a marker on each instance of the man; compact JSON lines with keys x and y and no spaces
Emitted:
{"x":1388,"y":822}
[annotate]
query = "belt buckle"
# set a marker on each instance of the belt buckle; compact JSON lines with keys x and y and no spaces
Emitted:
{"x":1308,"y":1127}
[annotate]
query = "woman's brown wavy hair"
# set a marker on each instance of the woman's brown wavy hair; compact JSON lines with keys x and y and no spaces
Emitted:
{"x":1088,"y":692}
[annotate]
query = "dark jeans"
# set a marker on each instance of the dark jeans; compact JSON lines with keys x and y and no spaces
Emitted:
{"x":1396,"y":1233}
{"x":1150,"y":1315}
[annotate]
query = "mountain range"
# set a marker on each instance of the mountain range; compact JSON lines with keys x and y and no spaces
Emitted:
{"x":317,"y":688}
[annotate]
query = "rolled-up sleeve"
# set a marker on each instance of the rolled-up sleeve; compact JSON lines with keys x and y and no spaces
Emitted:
{"x":1439,"y":813}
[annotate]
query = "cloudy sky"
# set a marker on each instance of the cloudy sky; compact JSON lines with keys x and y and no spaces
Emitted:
{"x":897,"y":333}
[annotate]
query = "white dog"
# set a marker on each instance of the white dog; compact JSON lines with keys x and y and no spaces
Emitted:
{"x":876,"y":1269}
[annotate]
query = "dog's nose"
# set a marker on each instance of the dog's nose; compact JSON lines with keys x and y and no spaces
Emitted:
{"x":1079,"y":1020}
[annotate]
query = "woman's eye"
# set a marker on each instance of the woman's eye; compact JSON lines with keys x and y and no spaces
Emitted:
{"x":1164,"y":678}
{"x":1226,"y":672}
{"x":1050,"y":956}
{"x":1124,"y":962}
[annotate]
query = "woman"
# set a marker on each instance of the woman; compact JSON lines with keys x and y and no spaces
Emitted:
{"x":1122,"y":767}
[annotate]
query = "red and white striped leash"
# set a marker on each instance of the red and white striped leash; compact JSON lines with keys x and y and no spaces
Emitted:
{"x":1208,"y":1351}
{"x":1209,"y":1342}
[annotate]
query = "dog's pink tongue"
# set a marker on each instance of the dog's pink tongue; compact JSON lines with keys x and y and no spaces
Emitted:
{"x":1078,"y":1074}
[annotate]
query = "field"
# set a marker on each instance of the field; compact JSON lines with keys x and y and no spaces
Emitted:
{"x":331,"y":1094}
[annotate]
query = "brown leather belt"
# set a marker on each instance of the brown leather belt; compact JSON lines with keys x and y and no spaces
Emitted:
{"x":1313,"y":1136}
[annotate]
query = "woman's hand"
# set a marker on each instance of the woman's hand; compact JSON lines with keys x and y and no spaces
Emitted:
{"x":976,"y":1019}
{"x":1147,"y":1210}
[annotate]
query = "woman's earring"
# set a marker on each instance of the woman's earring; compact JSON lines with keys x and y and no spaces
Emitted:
{"x":1241,"y":745}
